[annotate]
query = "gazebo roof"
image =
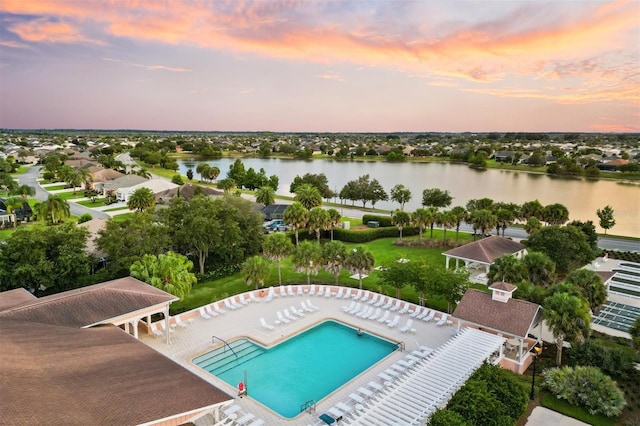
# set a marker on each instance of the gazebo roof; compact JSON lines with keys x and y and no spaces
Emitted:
{"x":514,"y":317}
{"x":486,"y":250}
{"x":90,"y":305}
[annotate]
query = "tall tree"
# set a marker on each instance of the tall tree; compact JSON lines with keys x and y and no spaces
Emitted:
{"x":170,"y":272}
{"x":568,"y":318}
{"x":567,"y":246}
{"x":541,"y":270}
{"x":12,"y":204}
{"x":436,"y":197}
{"x":446,"y":220}
{"x":606,"y":218}
{"x":399,"y":275}
{"x":141,"y":199}
{"x":255,"y":270}
{"x":278,"y":247}
{"x":532,"y":225}
{"x":401,"y":219}
{"x":24,"y":191}
{"x":334,"y":254}
{"x":479,"y":204}
{"x":508,"y":269}
{"x":555,"y":214}
{"x":318,"y":221}
{"x":308,"y":195}
{"x":334,"y":220}
{"x":448,"y":284}
{"x":504,"y":219}
{"x":237,"y":172}
{"x":421,"y":218}
{"x":54,"y":208}
{"x":359,"y":261}
{"x":227,"y":185}
{"x":296,"y":216}
{"x":401,"y":195}
{"x":317,"y":180}
{"x":482,"y":220}
{"x":590,"y":285}
{"x":307,"y":259}
{"x":266,"y":195}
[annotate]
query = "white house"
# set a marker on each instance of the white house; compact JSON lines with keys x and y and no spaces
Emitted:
{"x":155,"y":185}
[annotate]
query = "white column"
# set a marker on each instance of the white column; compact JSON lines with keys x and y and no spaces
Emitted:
{"x":447,"y":262}
{"x":166,"y":324}
{"x":134,"y":324}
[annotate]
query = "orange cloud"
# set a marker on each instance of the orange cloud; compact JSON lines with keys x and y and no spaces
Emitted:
{"x":42,"y":30}
{"x":330,"y":76}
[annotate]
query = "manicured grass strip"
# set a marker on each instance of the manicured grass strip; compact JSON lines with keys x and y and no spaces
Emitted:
{"x":98,"y":203}
{"x":563,"y":407}
{"x":117,"y":209}
{"x":55,"y":187}
{"x":121,"y":217}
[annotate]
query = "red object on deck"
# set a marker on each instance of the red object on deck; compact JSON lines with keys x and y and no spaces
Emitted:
{"x":241,"y":387}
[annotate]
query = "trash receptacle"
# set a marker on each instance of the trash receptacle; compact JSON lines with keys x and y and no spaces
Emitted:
{"x":373,"y":224}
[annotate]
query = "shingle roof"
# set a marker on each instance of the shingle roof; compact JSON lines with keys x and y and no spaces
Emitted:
{"x":90,"y":305}
{"x":514,"y":317}
{"x":503,"y":286}
{"x":486,"y":250}
{"x":98,"y":376}
{"x":187,"y":192}
{"x":11,"y":298}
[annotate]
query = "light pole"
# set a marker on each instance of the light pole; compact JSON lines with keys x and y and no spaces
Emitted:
{"x":535,"y":351}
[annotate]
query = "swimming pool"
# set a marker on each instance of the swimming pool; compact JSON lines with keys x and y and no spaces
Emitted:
{"x":305,"y":367}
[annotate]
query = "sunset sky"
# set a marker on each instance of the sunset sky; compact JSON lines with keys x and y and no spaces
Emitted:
{"x":321,"y":66}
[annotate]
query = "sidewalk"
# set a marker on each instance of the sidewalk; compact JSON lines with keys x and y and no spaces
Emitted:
{"x":544,"y":416}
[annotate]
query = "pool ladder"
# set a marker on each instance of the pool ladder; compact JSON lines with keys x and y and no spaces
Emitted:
{"x":309,"y":406}
{"x":224,"y":345}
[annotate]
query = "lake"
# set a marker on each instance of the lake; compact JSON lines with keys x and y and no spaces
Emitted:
{"x":581,"y":196}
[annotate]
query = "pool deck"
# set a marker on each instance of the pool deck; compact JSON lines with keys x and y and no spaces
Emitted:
{"x":196,"y":338}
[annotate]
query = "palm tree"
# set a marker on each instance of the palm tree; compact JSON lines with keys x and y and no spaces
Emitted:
{"x":203,"y":170}
{"x":255,"y":270}
{"x":227,"y":184}
{"x":568,"y":318}
{"x":24,"y":191}
{"x":296,"y":216}
{"x":508,"y":269}
{"x":447,"y":220}
{"x":400,"y":194}
{"x":12,"y":204}
{"x":555,"y":214}
{"x":169,"y":272}
{"x":401,"y":219}
{"x":318,"y":221}
{"x":143,"y":172}
{"x":432,"y":217}
{"x":532,"y":225}
{"x":55,"y":207}
{"x":335,"y":218}
{"x":459,"y":214}
{"x":334,"y":254}
{"x":541,"y":270}
{"x":308,"y":195}
{"x":141,"y":199}
{"x":359,"y":261}
{"x":420,"y":218}
{"x":505,"y":218}
{"x":590,"y":285}
{"x":531,"y":209}
{"x":278,"y":247}
{"x":306,"y":258}
{"x":266,"y":195}
{"x":213,"y":173}
{"x":482,"y":220}
{"x":86,"y":177}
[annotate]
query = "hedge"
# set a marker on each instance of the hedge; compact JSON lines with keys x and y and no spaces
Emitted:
{"x":371,"y":234}
{"x":384,"y":221}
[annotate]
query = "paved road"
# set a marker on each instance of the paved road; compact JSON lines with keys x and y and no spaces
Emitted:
{"x":31,"y":178}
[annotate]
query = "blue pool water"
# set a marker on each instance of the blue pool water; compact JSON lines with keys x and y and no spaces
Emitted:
{"x":308,"y":366}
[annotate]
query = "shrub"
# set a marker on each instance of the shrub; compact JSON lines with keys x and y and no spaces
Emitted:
{"x":614,"y":361}
{"x":446,"y":418}
{"x":177,"y":179}
{"x":85,"y":217}
{"x":587,"y":387}
{"x":367,"y":235}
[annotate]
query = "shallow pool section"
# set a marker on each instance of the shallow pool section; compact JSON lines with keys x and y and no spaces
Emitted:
{"x":306,"y":367}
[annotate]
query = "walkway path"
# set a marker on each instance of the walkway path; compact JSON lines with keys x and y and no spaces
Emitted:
{"x":544,"y":416}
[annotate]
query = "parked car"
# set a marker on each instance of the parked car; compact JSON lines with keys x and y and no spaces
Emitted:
{"x":274,"y":225}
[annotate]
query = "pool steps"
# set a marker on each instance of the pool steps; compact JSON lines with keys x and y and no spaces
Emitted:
{"x":222,"y":359}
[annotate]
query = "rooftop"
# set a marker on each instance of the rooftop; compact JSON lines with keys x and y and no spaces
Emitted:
{"x":486,"y":250}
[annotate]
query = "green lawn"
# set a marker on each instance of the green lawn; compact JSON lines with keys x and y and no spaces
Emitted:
{"x":98,"y":203}
{"x":121,"y":217}
{"x":383,"y":250}
{"x":55,"y":187}
{"x":70,"y":195}
{"x":21,"y":170}
{"x":563,"y":407}
{"x":116,"y":209}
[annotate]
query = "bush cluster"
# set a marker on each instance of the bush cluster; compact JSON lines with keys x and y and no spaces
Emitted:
{"x":492,"y":396}
{"x":364,"y":236}
{"x":586,"y":387}
{"x":618,"y":362}
{"x":219,"y":272}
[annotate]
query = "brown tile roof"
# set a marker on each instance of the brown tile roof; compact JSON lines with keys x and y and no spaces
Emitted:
{"x":503,"y":286}
{"x":616,"y":162}
{"x":486,"y":250}
{"x":514,"y":317}
{"x":103,"y":175}
{"x":98,"y":376}
{"x":93,"y":226}
{"x":187,"y":191}
{"x":11,"y":298}
{"x":90,"y":305}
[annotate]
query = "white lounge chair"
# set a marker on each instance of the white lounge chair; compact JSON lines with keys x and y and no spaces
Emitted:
{"x":384,"y":317}
{"x":270,"y":295}
{"x":179,"y":322}
{"x":155,"y":331}
{"x":300,"y":291}
{"x":396,"y":306}
{"x":311,"y":305}
{"x":404,"y":309}
{"x":252,"y":297}
{"x":394,"y":321}
{"x":407,"y":326}
{"x":380,"y":302}
{"x":365,"y":296}
{"x":443,"y":320}
{"x":217,"y":307}
{"x":209,"y":310}
{"x":312,"y":291}
{"x":305,"y":307}
{"x":245,"y":419}
{"x":340,"y":293}
{"x":366,"y":311}
{"x":204,"y":314}
{"x":389,"y":304}
{"x":256,"y":422}
{"x":297,"y":312}
{"x":328,"y":292}
{"x":290,"y":291}
{"x":243,"y":300}
{"x":320,"y":291}
{"x":354,"y":309}
{"x":288,"y":315}
{"x":281,"y":318}
{"x":424,"y":314}
{"x":349,"y":307}
{"x":266,"y":325}
{"x":358,"y":295}
{"x":430,"y":316}
{"x":366,"y":392}
{"x":282,"y":291}
{"x":375,"y":315}
{"x":374,"y":299}
{"x":228,"y":305}
{"x":231,"y":410}
{"x":357,"y":398}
